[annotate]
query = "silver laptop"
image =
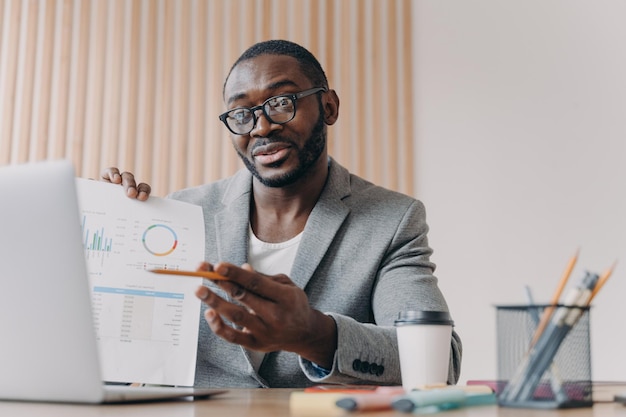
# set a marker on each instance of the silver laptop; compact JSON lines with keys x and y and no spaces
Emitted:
{"x":48,"y":346}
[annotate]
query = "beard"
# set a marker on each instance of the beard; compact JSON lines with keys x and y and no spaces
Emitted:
{"x":307,"y":156}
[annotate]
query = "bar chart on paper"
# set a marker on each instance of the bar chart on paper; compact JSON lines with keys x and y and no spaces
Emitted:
{"x":96,"y":242}
{"x":143,"y":321}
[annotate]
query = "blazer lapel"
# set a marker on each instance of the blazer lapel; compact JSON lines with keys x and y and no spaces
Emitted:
{"x":232,"y":222}
{"x":231,"y":237}
{"x":325,"y":220}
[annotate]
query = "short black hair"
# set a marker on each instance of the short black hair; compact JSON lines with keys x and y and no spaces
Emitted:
{"x":309,"y":65}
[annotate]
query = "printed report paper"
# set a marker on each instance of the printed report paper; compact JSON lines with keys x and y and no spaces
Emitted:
{"x":146,"y":323}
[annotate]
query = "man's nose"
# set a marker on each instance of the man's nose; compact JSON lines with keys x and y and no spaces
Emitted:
{"x":263,"y":125}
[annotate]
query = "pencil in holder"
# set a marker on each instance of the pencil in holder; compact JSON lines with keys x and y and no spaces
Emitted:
{"x":545,"y":368}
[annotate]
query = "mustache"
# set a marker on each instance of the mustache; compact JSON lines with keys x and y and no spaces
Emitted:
{"x":269,"y":140}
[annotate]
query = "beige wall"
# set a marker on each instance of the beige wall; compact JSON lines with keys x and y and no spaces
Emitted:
{"x":137,"y":84}
{"x":519,"y":109}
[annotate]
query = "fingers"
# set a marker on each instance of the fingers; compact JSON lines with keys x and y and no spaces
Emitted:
{"x":129,"y":184}
{"x":139,"y":191}
{"x":220,"y":309}
{"x":205,"y":266}
{"x":271,"y":311}
{"x":143,"y":191}
{"x":234,"y":312}
{"x":230,"y":334}
{"x":111,"y":175}
{"x":255,"y":283}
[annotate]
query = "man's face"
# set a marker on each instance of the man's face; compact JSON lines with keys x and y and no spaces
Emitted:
{"x":277,"y":155}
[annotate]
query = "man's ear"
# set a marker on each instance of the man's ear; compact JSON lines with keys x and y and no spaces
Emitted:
{"x":330,"y":102}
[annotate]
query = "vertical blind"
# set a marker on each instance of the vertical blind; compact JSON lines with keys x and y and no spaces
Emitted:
{"x":137,"y":84}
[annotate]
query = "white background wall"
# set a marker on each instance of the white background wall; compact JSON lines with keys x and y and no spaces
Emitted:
{"x":521,"y":154}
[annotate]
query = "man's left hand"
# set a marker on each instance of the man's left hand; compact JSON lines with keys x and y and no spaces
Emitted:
{"x":274,"y":314}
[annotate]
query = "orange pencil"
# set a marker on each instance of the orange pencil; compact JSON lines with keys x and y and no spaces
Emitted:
{"x":602,"y":280}
{"x":202,"y":274}
{"x":555,"y":298}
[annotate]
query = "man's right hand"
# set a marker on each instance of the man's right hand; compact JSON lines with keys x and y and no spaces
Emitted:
{"x":139,"y":191}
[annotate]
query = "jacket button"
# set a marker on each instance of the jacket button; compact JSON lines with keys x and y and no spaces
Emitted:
{"x":356,"y":365}
{"x":373,"y":368}
{"x":365,"y":367}
{"x":380,"y":370}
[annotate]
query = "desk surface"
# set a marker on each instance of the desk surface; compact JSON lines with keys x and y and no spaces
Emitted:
{"x":267,"y":403}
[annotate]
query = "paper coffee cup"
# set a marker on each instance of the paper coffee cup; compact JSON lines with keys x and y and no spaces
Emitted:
{"x":424,"y":339}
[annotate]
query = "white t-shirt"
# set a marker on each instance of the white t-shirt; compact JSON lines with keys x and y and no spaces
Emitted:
{"x":270,"y":259}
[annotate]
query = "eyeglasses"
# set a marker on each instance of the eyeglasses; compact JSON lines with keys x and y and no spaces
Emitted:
{"x":278,"y":110}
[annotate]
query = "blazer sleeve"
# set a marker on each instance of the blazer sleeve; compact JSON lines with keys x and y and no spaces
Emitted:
{"x":367,"y":353}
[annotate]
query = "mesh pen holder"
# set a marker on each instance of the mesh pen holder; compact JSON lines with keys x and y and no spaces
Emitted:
{"x":552,"y":372}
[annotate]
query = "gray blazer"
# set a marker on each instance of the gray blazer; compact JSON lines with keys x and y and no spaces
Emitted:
{"x":363,"y":257}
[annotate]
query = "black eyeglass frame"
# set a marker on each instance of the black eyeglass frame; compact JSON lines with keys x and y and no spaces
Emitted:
{"x":293,"y":97}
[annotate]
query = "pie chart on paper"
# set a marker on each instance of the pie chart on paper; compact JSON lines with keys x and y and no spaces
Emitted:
{"x":159,"y":239}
